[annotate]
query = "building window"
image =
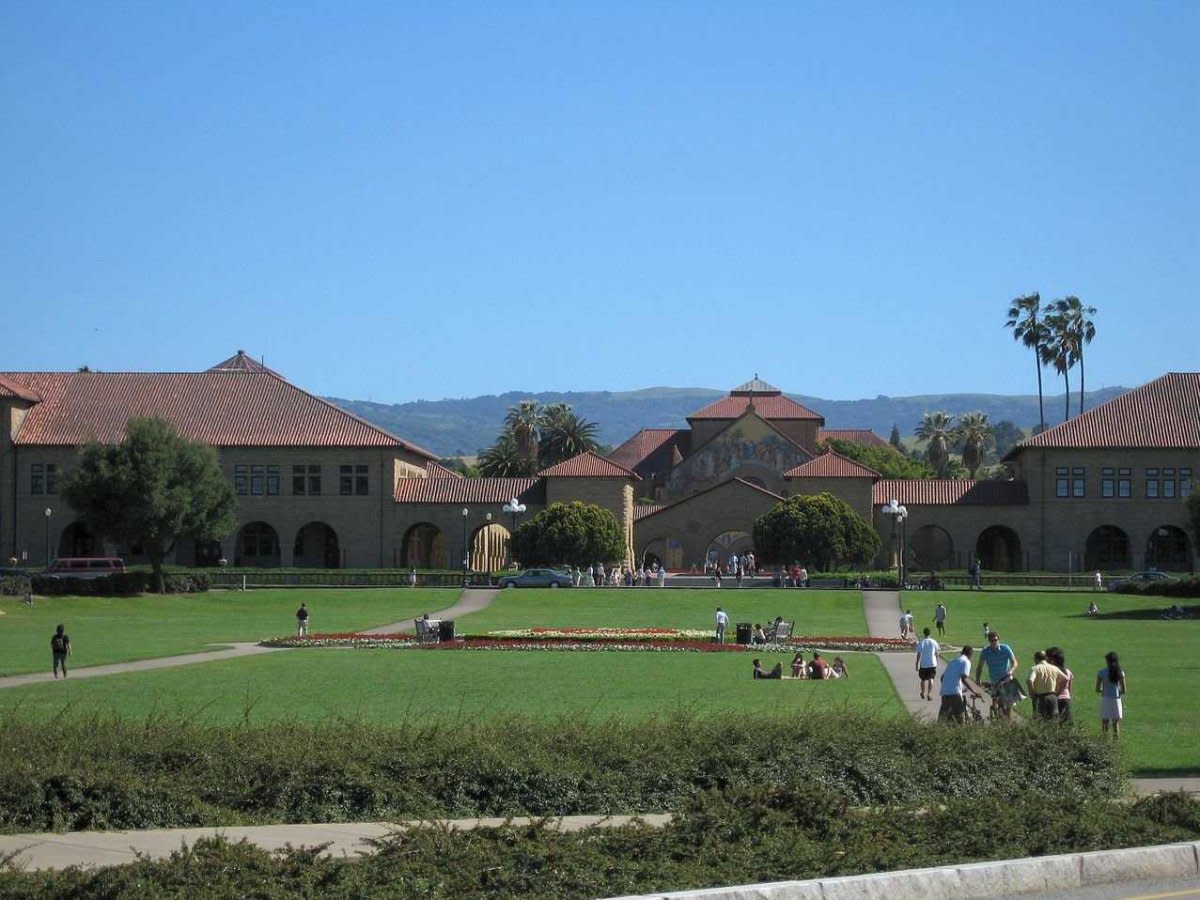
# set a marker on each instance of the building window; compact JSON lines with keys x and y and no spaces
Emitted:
{"x":306,"y":481}
{"x":1107,"y":483}
{"x":1152,"y":483}
{"x":1062,"y":484}
{"x":43,"y":478}
{"x":1125,"y":482}
{"x":353,"y":480}
{"x":1079,"y":482}
{"x":1185,"y":482}
{"x":1168,"y":483}
{"x":256,"y":480}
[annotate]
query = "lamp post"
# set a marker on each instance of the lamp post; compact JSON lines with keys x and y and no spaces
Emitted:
{"x":898,"y":514}
{"x":513,"y":507}
{"x":48,"y":512}
{"x":466,"y":558}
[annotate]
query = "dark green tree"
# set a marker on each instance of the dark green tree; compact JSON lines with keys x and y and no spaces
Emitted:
{"x":884,"y":460}
{"x":1007,"y":436}
{"x":820,"y":530}
{"x":1193,"y":508}
{"x":575,"y":533}
{"x":503,"y":460}
{"x":564,"y":435}
{"x":936,"y":429}
{"x":974,"y":434}
{"x":894,"y":438}
{"x":1026,"y":321}
{"x":524,"y":423}
{"x":152,"y":489}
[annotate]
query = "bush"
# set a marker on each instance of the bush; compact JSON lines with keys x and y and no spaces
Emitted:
{"x":1184,"y":587}
{"x":15,"y":585}
{"x":119,"y":584}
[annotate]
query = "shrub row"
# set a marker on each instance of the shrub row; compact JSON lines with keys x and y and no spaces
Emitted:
{"x":77,"y":772}
{"x":1184,"y":587}
{"x":122,"y":584}
{"x":741,"y":835}
{"x":14,"y":585}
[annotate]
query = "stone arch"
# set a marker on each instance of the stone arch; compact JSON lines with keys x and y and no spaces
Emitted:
{"x":1168,"y":549}
{"x":666,"y":551}
{"x":489,"y":548}
{"x":77,"y":540}
{"x":1107,"y":548}
{"x":999,"y":549}
{"x":257,"y":545}
{"x":316,"y":547}
{"x":423,"y":547}
{"x":726,"y":543}
{"x":930,"y":547}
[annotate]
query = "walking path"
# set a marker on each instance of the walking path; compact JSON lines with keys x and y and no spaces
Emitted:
{"x":469,"y":601}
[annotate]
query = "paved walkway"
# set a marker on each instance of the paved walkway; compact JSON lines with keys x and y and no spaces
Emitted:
{"x":469,"y":601}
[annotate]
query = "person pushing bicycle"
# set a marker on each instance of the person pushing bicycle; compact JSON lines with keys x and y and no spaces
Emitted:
{"x":1001,"y":663}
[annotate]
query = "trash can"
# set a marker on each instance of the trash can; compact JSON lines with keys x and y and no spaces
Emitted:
{"x":743,"y":632}
{"x":446,"y":630}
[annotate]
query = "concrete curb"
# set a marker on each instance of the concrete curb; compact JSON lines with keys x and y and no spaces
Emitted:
{"x":1035,"y":875}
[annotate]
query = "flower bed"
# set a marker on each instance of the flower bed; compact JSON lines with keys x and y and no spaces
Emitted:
{"x":582,"y":639}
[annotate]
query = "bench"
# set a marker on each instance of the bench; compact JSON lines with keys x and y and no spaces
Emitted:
{"x":428,"y":631}
{"x":780,"y":631}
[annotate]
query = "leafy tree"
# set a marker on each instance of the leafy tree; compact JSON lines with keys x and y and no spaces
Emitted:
{"x":1007,"y":436}
{"x":1024,"y":318}
{"x":503,"y":460}
{"x":152,"y":489}
{"x":576,"y":533}
{"x":884,"y":460}
{"x":974,"y":432}
{"x":524,"y":424}
{"x":564,"y":435}
{"x":894,"y":438}
{"x":819,"y":529}
{"x":1077,"y":320}
{"x":935,"y":429}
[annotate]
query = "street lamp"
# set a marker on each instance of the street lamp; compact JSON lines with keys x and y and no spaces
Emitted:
{"x":49,"y":512}
{"x":466,"y":558}
{"x":898,"y":514}
{"x":513,"y":507}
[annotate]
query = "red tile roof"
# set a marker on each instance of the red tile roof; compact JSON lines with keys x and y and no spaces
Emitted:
{"x":588,"y":465}
{"x":12,"y":389}
{"x":1164,"y":413}
{"x":467,"y":490}
{"x":224,"y":409}
{"x":436,"y":470}
{"x":767,"y":406}
{"x":831,"y":465}
{"x":949,"y":492}
{"x":641,"y":510}
{"x":853,"y":435}
{"x":240,"y":362}
{"x":641,"y":445}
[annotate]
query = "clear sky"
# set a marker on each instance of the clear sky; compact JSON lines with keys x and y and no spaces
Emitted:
{"x":402,"y":201}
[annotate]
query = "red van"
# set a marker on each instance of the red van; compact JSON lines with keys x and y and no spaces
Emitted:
{"x":87,"y":566}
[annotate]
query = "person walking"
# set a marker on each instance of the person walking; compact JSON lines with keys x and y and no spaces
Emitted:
{"x":1110,"y":685}
{"x":1001,"y":663}
{"x":956,"y":680}
{"x":302,"y":621}
{"x":906,"y":625}
{"x":722,"y":623}
{"x":939,"y":619}
{"x":1042,"y":681}
{"x":977,"y":575}
{"x":927,"y":660}
{"x":60,"y":649}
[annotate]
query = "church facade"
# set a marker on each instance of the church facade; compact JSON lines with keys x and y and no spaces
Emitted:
{"x":320,"y":488}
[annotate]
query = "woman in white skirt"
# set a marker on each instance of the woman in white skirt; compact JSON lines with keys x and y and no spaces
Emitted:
{"x":1110,"y":685}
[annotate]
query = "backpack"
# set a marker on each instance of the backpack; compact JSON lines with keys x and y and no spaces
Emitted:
{"x":58,"y":643}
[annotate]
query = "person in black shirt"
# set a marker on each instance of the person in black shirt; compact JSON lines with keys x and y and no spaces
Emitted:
{"x":60,"y":649}
{"x":302,"y":621}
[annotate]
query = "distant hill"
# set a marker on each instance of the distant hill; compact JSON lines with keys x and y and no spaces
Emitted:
{"x":463,"y":427}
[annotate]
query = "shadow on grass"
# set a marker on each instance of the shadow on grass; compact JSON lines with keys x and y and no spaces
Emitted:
{"x":1165,"y":612}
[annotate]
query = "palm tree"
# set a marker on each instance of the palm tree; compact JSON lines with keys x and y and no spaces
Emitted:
{"x":1060,"y":350}
{"x":1082,"y":328}
{"x":935,"y":428}
{"x":974,"y":432}
{"x":524,"y":422}
{"x":564,"y":434}
{"x":1030,"y":330}
{"x":501,"y":460}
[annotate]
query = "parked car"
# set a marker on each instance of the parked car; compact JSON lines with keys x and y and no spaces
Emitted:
{"x":86,"y":566}
{"x":537,"y":578}
{"x":1152,"y":577}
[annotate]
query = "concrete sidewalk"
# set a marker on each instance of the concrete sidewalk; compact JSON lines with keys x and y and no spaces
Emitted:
{"x":469,"y":601}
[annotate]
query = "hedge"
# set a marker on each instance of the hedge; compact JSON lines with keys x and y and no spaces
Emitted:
{"x":118,"y":584}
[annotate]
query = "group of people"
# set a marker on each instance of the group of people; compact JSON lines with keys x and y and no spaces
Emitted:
{"x":908,"y":630}
{"x":623,"y":576}
{"x":815,"y":669}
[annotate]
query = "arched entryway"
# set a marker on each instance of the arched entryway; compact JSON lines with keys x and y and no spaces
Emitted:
{"x":258,"y":545}
{"x":930,"y":547}
{"x":423,"y":547}
{"x":489,"y":548}
{"x":725,"y":545}
{"x":999,"y":549}
{"x":666,"y":551}
{"x":316,"y":547}
{"x":1107,"y":548}
{"x":76,"y":540}
{"x":207,"y":553}
{"x":1168,"y":549}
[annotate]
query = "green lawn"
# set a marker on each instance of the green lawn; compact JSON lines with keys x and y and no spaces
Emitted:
{"x":833,"y":613}
{"x":1161,"y":731}
{"x":118,"y":629}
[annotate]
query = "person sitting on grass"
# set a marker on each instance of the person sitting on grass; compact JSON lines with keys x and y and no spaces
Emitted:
{"x":1093,"y":609}
{"x":799,"y":669}
{"x":818,"y":668}
{"x":839,"y":668}
{"x":759,"y":636}
{"x":776,"y":672}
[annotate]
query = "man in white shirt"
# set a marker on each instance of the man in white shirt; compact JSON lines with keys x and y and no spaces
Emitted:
{"x":906,"y":624}
{"x":722,"y":621}
{"x":927,"y":660}
{"x":955,"y":679}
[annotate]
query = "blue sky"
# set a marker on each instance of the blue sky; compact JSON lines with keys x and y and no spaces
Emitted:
{"x":403,"y":201}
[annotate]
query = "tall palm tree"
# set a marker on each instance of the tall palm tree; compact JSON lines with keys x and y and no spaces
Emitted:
{"x":975,"y":433}
{"x":524,"y":422}
{"x":501,"y":460}
{"x":1060,"y":351}
{"x":1082,"y":328}
{"x":564,"y":434}
{"x":1024,"y":318}
{"x":935,"y":429}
